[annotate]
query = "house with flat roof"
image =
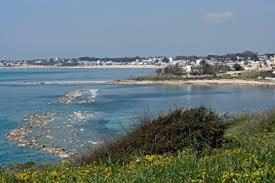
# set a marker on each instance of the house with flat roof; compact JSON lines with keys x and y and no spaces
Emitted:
{"x":272,"y":61}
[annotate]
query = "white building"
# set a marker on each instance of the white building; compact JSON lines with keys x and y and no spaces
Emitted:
{"x":272,"y":61}
{"x":171,"y":59}
{"x":198,"y":62}
{"x":188,"y":68}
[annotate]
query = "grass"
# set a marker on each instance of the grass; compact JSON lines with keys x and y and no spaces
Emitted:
{"x":255,"y":74}
{"x":247,"y":155}
{"x":156,"y":78}
{"x":170,"y":78}
{"x":245,"y":75}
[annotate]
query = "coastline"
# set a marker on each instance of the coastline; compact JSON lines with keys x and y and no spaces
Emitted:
{"x":36,"y":130}
{"x":229,"y":82}
{"x":198,"y":82}
{"x":20,"y":135}
{"x":86,"y":67}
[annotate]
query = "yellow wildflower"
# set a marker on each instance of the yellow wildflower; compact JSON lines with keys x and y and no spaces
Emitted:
{"x":149,"y":158}
{"x":53,"y":174}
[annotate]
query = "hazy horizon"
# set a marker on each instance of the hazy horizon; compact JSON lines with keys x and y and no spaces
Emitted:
{"x":32,"y":29}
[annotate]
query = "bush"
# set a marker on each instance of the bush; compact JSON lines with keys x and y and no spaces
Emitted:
{"x":238,"y":67}
{"x":196,"y":128}
{"x":207,"y":69}
{"x":221,"y":68}
{"x":173,"y":69}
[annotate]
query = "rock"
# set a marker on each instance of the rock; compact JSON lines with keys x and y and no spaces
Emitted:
{"x":79,"y":96}
{"x":27,"y":135}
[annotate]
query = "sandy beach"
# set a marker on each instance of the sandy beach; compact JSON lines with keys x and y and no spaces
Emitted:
{"x":226,"y":82}
{"x":85,"y":67}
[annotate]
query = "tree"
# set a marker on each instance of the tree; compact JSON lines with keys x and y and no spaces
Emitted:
{"x":173,"y":69}
{"x":207,"y":68}
{"x":238,"y":67}
{"x":165,"y":59}
{"x":221,"y":68}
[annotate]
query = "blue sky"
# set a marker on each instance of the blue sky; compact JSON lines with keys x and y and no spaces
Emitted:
{"x":72,"y":28}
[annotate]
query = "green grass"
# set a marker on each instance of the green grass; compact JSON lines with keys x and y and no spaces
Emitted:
{"x":170,"y":78}
{"x":246,"y":156}
{"x":156,"y":78}
{"x":245,"y":75}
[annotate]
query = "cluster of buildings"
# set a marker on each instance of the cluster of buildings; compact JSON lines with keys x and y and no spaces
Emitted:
{"x":187,"y":63}
{"x":263,"y":62}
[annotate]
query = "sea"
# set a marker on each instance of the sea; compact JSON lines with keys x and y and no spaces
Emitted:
{"x":115,"y":110}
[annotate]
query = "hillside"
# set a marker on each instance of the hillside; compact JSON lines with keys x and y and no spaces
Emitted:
{"x":243,"y":152}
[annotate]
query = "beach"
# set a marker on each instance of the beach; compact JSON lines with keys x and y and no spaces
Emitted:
{"x":84,"y":67}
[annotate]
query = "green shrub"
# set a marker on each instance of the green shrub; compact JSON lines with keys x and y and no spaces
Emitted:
{"x":156,"y":78}
{"x":250,"y":124}
{"x":238,"y":67}
{"x":196,"y":128}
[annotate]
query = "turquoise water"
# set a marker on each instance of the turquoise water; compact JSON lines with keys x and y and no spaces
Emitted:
{"x":116,"y":106}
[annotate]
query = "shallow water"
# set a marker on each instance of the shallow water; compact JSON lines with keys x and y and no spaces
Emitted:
{"x":115,"y":107}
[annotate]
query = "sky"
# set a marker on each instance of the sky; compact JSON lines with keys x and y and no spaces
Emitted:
{"x":32,"y":29}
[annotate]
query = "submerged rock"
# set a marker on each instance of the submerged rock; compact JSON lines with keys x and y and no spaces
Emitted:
{"x":41,"y":131}
{"x":81,"y":96}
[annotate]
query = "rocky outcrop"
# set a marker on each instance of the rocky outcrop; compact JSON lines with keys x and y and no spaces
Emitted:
{"x":27,"y":136}
{"x":79,"y":96}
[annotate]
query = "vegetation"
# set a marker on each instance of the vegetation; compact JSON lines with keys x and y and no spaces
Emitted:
{"x":245,"y":75}
{"x":175,"y":70}
{"x":157,"y":78}
{"x":238,"y":67}
{"x":247,"y":55}
{"x":246,"y":155}
{"x":208,"y":69}
{"x":255,"y":74}
{"x":195,"y":128}
{"x":203,"y":69}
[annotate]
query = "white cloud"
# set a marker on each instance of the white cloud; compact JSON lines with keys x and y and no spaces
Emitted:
{"x":218,"y":17}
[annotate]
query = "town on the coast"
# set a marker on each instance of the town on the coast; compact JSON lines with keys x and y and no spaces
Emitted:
{"x":247,"y":60}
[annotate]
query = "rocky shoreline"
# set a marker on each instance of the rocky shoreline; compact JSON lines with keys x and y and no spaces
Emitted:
{"x":21,"y":135}
{"x":54,"y":132}
{"x":42,"y":131}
